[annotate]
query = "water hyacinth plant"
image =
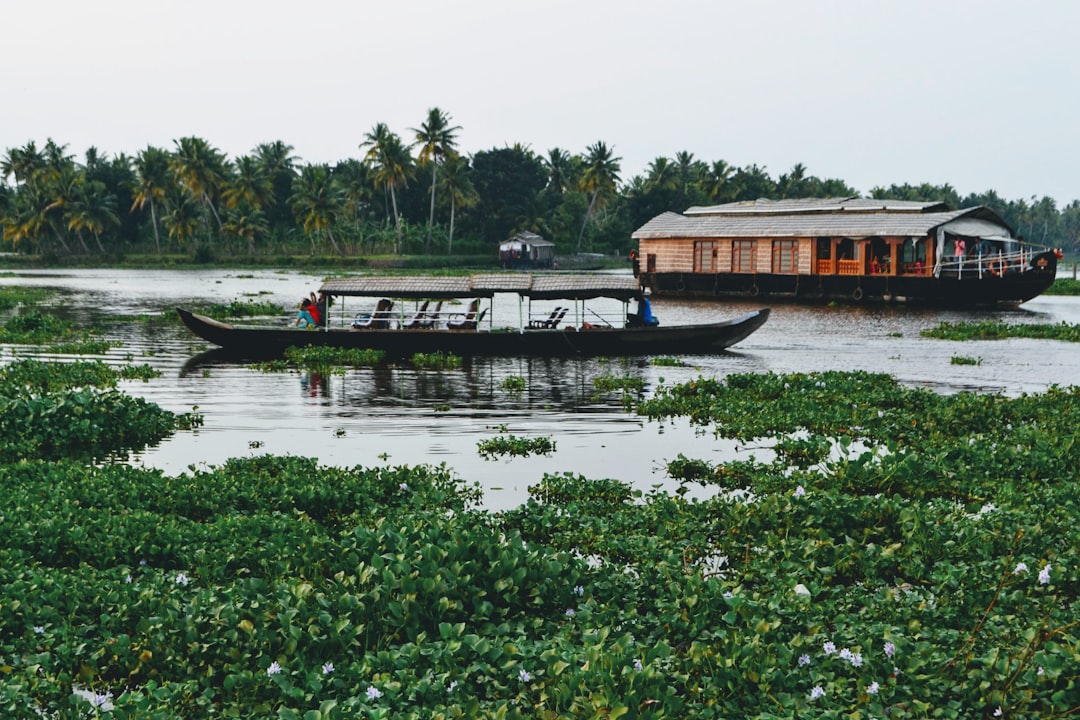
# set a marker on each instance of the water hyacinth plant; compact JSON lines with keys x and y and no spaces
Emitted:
{"x":895,"y":584}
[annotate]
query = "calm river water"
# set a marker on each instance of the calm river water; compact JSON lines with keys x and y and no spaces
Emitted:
{"x":397,"y":416}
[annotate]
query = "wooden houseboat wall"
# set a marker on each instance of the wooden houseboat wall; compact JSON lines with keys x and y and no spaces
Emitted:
{"x":891,"y":252}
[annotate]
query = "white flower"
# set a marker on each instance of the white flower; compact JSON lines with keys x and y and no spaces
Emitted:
{"x":804,"y":659}
{"x":570,"y":612}
{"x":1044,"y":575}
{"x":872,"y":688}
{"x":881,"y":413}
{"x":39,"y":629}
{"x":987,"y":508}
{"x":1040,"y":671}
{"x":182,"y":579}
{"x":403,"y":486}
{"x":128,"y":579}
{"x":800,"y":491}
{"x":524,"y":675}
{"x":637,"y":664}
{"x":890,"y":649}
{"x":829,"y":647}
{"x":274,"y":668}
{"x":997,"y":713}
{"x":451,"y":686}
{"x":578,"y":590}
{"x":855,"y":659}
{"x":373,"y":693}
{"x":1020,"y":568}
{"x":817,"y":692}
{"x":327,"y":668}
{"x":845,"y":654}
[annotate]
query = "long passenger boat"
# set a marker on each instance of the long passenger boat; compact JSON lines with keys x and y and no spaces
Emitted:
{"x":455,"y":315}
{"x":851,"y":249}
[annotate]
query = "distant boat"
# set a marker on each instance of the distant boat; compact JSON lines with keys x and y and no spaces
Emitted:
{"x":573,"y":329}
{"x":849,"y":249}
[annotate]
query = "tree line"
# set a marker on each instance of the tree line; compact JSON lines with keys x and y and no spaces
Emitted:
{"x":411,"y":194}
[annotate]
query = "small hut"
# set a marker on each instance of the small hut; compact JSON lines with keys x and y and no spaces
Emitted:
{"x":526,"y":250}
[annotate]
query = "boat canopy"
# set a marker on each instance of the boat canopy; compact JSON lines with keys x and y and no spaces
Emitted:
{"x":536,"y":287}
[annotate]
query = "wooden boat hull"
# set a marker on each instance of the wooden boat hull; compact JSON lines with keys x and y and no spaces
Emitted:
{"x":255,"y":341}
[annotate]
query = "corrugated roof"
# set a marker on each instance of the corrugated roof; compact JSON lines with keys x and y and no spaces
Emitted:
{"x":764,"y":206}
{"x":823,"y":224}
{"x":546,"y":286}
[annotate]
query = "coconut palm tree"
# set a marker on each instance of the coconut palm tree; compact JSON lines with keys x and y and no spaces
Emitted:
{"x":247,"y":223}
{"x":280,"y":165}
{"x":661,"y":175}
{"x":181,"y":217}
{"x":201,"y":169}
{"x":250,"y":184}
{"x":393,"y":165}
{"x":316,"y":203}
{"x":598,"y":181}
{"x":94,"y":209}
{"x":22,"y":163}
{"x":152,"y":182}
{"x":717,"y":182}
{"x":456,"y":185}
{"x":562,"y":170}
{"x":435,"y":138}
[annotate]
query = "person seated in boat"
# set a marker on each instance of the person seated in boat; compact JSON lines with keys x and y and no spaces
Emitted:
{"x":644,"y":316}
{"x":875,"y":267}
{"x":321,"y":303}
{"x":304,"y":318}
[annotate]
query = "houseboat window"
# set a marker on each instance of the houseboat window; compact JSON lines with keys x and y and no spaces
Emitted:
{"x":744,"y":256}
{"x":705,"y":256}
{"x":785,"y":256}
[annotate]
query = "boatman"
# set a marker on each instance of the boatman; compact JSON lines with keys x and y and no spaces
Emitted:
{"x":644,"y":316}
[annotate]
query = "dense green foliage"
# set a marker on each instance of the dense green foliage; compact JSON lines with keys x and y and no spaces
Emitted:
{"x":987,"y":330}
{"x":505,"y":444}
{"x":893,"y":553}
{"x":72,"y":410}
{"x":397,"y":198}
{"x":1064,"y":286}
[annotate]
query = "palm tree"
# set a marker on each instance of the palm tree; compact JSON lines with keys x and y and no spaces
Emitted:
{"x":93,"y":209}
{"x":181,"y":217}
{"x":717,"y":182}
{"x":250,"y":184}
{"x":23,"y":163}
{"x":661,"y":175}
{"x":279,"y":164}
{"x":689,"y":170}
{"x":152,"y":181}
{"x":356,"y":180}
{"x":562,"y":170}
{"x":247,"y":223}
{"x":393,"y":165}
{"x":459,"y":188}
{"x":435,"y":138}
{"x":316,"y":202}
{"x":201,"y":169}
{"x":599,"y":179}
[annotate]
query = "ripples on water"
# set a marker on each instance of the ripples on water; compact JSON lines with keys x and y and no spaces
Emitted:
{"x":399,"y":416}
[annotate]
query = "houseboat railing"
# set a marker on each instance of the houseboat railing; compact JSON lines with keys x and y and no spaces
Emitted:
{"x":980,"y":266}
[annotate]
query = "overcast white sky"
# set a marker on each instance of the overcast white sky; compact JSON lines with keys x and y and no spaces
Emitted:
{"x":980,"y":94}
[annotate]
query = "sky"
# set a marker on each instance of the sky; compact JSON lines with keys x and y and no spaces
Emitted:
{"x":978,"y":94}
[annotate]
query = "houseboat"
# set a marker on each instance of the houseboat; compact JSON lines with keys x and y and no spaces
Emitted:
{"x":853,"y":249}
